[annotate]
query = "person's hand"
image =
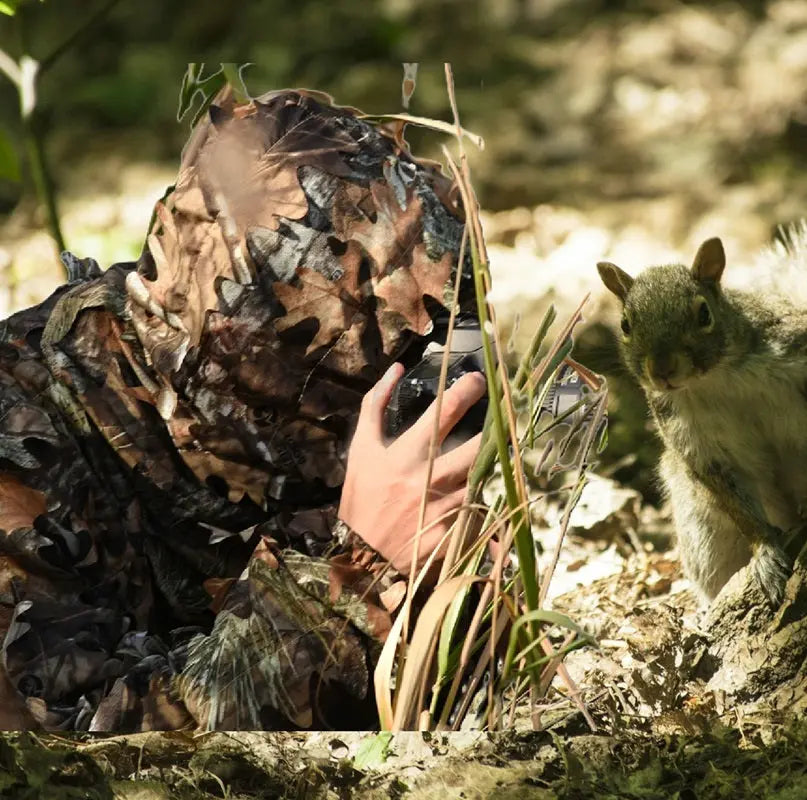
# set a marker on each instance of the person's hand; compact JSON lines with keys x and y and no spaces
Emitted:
{"x":384,"y":482}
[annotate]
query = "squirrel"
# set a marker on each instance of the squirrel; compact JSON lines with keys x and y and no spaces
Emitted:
{"x":725,"y":376}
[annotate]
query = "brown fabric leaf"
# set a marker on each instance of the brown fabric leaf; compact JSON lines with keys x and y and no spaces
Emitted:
{"x":190,"y":254}
{"x":265,"y":552}
{"x":256,"y":180}
{"x":403,"y":289}
{"x":390,"y":233}
{"x":393,"y":237}
{"x":331,"y":303}
{"x":241,"y":479}
{"x":395,"y":130}
{"x":343,"y":572}
{"x":393,"y":596}
{"x":379,"y":622}
{"x":161,"y":711}
{"x":129,"y":708}
{"x":218,"y":589}
{"x":19,"y":504}
{"x":248,"y":166}
{"x":113,"y":710}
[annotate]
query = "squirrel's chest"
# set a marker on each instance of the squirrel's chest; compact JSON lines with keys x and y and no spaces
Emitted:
{"x":753,"y":422}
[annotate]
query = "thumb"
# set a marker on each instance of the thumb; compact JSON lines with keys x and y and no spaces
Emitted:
{"x":371,"y":416}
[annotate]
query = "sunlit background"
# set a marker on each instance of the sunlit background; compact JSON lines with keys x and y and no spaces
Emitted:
{"x":622,"y":130}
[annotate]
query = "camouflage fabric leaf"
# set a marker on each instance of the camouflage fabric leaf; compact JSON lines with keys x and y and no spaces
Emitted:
{"x":244,"y":175}
{"x":19,"y":505}
{"x":403,"y":290}
{"x":266,"y":653}
{"x":252,"y":161}
{"x":331,"y":303}
{"x":393,"y":236}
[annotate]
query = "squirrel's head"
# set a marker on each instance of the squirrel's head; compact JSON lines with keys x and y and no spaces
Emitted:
{"x":671,"y":318}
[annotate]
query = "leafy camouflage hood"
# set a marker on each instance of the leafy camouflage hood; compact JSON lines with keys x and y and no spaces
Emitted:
{"x":300,"y":252}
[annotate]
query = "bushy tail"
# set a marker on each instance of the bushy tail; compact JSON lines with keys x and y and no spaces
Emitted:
{"x":782,"y":265}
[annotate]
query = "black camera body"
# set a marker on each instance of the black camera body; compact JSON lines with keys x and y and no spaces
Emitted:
{"x":418,"y":387}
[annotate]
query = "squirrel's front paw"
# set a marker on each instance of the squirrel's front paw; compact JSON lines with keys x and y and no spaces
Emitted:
{"x":772,"y":568}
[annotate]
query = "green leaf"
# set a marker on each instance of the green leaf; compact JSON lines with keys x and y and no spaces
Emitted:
{"x":196,"y":89}
{"x":373,"y":751}
{"x":200,"y":89}
{"x":235,"y":77}
{"x":9,"y":160}
{"x":550,"y":618}
{"x":10,"y":7}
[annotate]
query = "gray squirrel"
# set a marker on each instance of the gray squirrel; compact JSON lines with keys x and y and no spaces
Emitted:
{"x":725,"y":376}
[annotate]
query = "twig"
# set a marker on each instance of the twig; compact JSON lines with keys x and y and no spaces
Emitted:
{"x":43,"y":182}
{"x":10,"y":68}
{"x":574,"y":692}
{"x":29,"y":70}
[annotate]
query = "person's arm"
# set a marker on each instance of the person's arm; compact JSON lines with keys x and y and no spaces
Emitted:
{"x":295,"y":641}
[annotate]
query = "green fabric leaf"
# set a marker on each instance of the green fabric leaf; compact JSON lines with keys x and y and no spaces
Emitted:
{"x":193,"y":85}
{"x":234,"y":73}
{"x":199,"y":89}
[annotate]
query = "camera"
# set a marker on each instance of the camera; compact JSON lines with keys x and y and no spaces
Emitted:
{"x":418,"y":387}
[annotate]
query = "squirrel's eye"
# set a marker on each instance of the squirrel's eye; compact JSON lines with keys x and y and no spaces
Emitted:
{"x":704,"y":316}
{"x":625,"y":326}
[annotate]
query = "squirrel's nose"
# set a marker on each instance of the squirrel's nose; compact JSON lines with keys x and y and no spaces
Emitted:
{"x":663,"y":366}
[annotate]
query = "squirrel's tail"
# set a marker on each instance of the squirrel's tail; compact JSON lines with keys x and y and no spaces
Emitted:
{"x":783,"y":263}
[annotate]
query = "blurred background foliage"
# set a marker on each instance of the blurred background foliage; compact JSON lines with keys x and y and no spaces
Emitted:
{"x":561,"y":89}
{"x":619,"y":129}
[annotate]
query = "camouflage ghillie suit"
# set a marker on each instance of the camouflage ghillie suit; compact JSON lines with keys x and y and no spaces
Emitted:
{"x":173,"y":435}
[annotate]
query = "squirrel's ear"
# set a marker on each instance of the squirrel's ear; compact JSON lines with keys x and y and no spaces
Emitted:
{"x":709,"y":262}
{"x":615,"y":279}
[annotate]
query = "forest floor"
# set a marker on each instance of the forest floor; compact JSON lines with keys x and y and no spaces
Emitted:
{"x":677,"y":712}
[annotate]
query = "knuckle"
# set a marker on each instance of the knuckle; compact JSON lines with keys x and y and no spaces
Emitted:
{"x":412,"y":485}
{"x":453,"y":402}
{"x":476,"y":388}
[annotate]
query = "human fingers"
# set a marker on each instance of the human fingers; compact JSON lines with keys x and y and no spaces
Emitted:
{"x":452,"y":468}
{"x":374,"y":403}
{"x":450,"y":501}
{"x":456,"y":401}
{"x":440,"y":516}
{"x":402,"y":554}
